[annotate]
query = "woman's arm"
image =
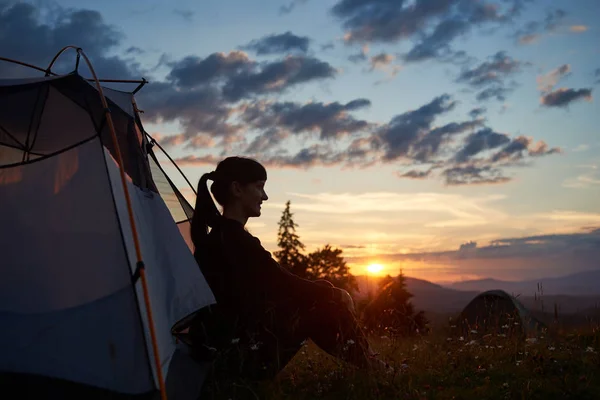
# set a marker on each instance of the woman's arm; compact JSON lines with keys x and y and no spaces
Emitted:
{"x":247,"y":252}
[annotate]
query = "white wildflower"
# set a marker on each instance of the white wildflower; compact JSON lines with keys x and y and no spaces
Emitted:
{"x":531,"y":340}
{"x":551,"y":348}
{"x":589,"y":349}
{"x":505,"y":326}
{"x":472,"y":342}
{"x":461,"y":338}
{"x":235,"y":341}
{"x":505,"y":385}
{"x":255,"y":346}
{"x":350,"y":342}
{"x":473,"y":331}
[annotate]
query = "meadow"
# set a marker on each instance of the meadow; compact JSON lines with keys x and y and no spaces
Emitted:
{"x":443,"y":365}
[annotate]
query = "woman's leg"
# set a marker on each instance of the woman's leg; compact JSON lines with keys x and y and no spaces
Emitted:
{"x":336,"y":330}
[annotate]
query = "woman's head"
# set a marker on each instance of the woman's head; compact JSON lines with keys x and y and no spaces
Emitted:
{"x":238,"y":186}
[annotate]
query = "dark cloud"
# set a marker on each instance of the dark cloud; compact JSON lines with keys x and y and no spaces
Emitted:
{"x":361,"y":56}
{"x":477,"y":112}
{"x":327,"y":46}
{"x":286,"y":9}
{"x":317,"y":155}
{"x":187,"y":15}
{"x":474,"y":175}
{"x":29,"y":38}
{"x":437,"y":44}
{"x":134,"y":50}
{"x":548,"y":81}
{"x":490,"y":77}
{"x":415,"y":174}
{"x":277,"y":77}
{"x":279,"y":43}
{"x":398,"y":136}
{"x":480,"y":141}
{"x":494,"y":71}
{"x":562,"y":97}
{"x":534,"y":30}
{"x":201,"y":112}
{"x":193,"y":71}
{"x":279,"y":119}
{"x":432,"y":24}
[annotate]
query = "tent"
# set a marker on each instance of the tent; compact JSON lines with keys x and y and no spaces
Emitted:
{"x":495,"y":311}
{"x":95,"y":267}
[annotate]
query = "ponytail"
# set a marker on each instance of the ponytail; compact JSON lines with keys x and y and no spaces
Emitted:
{"x":205,"y":212}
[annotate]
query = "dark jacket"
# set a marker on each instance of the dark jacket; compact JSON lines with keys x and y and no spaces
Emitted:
{"x":246,"y":279}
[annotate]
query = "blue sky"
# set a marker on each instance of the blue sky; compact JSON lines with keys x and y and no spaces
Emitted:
{"x":524,"y":50}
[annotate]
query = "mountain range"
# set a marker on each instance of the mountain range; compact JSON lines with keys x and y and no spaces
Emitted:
{"x":572,"y":294}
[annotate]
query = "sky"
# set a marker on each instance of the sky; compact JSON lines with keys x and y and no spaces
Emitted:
{"x":452,"y":139}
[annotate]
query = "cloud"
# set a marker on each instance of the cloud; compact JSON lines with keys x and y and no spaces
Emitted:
{"x":548,"y":81}
{"x":361,"y":56}
{"x":331,"y":120}
{"x":384,"y":62}
{"x":286,"y":9}
{"x":277,"y":77}
{"x":473,"y":175}
{"x":203,"y":94}
{"x":489,"y":72}
{"x":201,"y":112}
{"x":490,"y":76}
{"x":586,"y":180}
{"x":397,"y":136}
{"x":193,"y":71}
{"x":534,"y":255}
{"x":279,"y":43}
{"x":554,"y":23}
{"x":415,"y":174}
{"x":578,"y":28}
{"x":187,"y":15}
{"x":432,"y":24}
{"x":562,"y":97}
{"x":43,"y":30}
{"x":477,"y":112}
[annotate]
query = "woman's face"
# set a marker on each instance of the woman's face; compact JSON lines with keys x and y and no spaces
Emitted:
{"x":251,"y":197}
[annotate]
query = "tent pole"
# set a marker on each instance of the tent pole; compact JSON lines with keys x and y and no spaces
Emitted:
{"x":153,"y":141}
{"x":140,"y":82}
{"x":140,"y":263}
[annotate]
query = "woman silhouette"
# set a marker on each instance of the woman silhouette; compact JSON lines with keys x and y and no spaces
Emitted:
{"x":268,"y":311}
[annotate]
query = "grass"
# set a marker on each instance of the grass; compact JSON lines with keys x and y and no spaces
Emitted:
{"x":445,"y":366}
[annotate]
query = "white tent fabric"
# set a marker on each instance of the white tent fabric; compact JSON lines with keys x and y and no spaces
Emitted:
{"x":70,"y":306}
{"x":176,"y":285}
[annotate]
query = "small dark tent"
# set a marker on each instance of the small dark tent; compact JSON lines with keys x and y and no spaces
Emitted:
{"x":495,"y":311}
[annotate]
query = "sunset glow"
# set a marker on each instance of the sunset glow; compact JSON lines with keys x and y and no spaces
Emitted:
{"x":374,"y":268}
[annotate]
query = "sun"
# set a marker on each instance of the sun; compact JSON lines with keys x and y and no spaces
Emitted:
{"x":375,"y":268}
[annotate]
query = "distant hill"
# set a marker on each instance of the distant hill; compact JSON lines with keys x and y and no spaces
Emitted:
{"x":579,"y":284}
{"x":434,"y":298}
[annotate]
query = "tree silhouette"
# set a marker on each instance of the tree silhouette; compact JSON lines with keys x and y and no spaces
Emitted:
{"x":327,"y":263}
{"x":290,"y":256}
{"x":391,"y":310}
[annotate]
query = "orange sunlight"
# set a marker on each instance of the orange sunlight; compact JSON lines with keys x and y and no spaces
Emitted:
{"x":375,"y":268}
